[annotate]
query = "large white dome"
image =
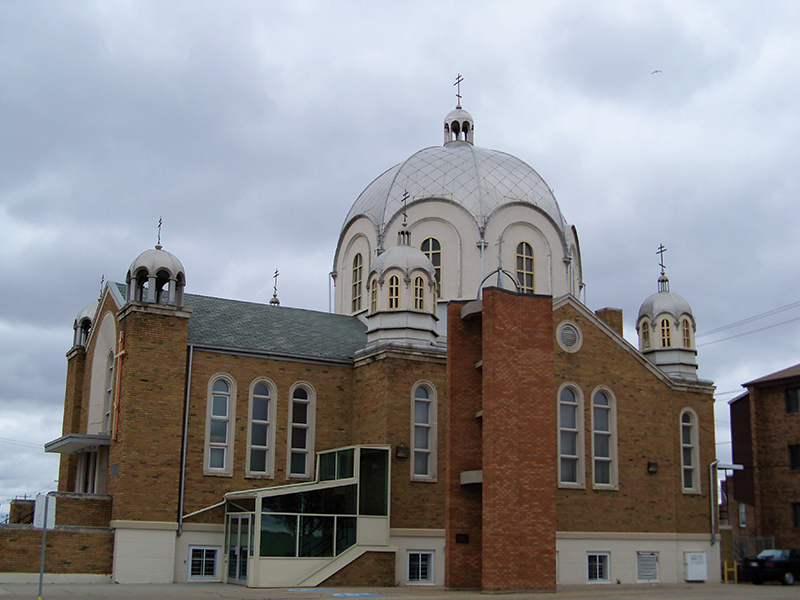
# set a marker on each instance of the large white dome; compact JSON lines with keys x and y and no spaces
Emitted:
{"x":477,"y":179}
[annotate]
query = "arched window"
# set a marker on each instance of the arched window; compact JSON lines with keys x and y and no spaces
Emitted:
{"x":689,"y":452}
{"x":261,"y":430}
{"x":373,"y":296}
{"x":220,"y":417}
{"x":419,"y":293}
{"x":666,"y":334}
{"x":108,"y":396}
{"x":525,"y":267}
{"x":424,"y":432}
{"x":302,"y":411}
{"x":604,"y":442}
{"x":357,"y":269}
{"x":394,"y":292}
{"x":570,"y":445}
{"x":686,"y":328}
{"x":433,"y":250}
{"x":644,"y":328}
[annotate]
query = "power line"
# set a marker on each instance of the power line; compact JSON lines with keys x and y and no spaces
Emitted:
{"x":769,"y":313}
{"x":20,"y":443}
{"x":749,"y":332}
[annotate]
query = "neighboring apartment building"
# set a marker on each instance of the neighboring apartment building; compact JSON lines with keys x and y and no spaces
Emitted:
{"x":433,"y":431}
{"x":765,"y":431}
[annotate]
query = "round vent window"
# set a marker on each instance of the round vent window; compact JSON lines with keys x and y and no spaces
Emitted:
{"x":569,"y":337}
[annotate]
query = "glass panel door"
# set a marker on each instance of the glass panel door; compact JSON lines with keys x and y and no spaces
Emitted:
{"x":238,"y":548}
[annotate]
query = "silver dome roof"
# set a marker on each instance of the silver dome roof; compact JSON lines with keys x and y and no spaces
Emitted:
{"x":478,"y":179}
{"x":155,"y":260}
{"x":665,"y":302}
{"x":404,"y":257}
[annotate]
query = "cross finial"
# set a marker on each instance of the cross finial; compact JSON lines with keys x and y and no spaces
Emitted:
{"x":274,"y":301}
{"x":405,"y":215}
{"x":459,"y":79}
{"x":102,"y":283}
{"x":158,"y":245}
{"x":660,"y":251}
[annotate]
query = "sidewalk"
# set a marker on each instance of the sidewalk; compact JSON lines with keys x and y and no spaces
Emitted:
{"x":212,"y":591}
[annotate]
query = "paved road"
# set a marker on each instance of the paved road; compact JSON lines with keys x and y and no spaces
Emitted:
{"x":216,"y":591}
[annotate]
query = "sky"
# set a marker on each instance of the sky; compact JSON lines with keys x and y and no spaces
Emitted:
{"x":250,"y":128}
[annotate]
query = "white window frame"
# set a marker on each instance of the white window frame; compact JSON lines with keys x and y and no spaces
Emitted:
{"x":394,"y":292}
{"x":270,"y":424}
{"x":227,"y":469}
{"x":431,"y":579}
{"x":694,"y":448}
{"x":217,"y":553}
{"x":108,"y":396}
{"x":607,"y":567}
{"x":686,"y":333}
{"x":523,"y":273}
{"x":434,"y":254}
{"x":309,"y":426}
{"x":433,"y":429}
{"x":578,"y":431}
{"x":612,"y":442}
{"x":419,"y":293}
{"x":644,"y":329}
{"x":357,"y":292}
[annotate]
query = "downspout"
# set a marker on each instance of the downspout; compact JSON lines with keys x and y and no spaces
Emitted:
{"x":712,"y":490}
{"x":183,"y":448}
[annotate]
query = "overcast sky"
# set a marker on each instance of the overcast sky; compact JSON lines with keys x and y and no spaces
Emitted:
{"x":251,"y":128}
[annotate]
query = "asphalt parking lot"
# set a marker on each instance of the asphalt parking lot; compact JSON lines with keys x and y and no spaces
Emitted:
{"x":214,"y":591}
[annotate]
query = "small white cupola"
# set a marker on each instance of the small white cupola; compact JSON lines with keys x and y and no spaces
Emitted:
{"x":402,"y":296}
{"x":156,"y":276}
{"x":459,"y":126}
{"x":666,"y":329}
{"x":83,"y":323}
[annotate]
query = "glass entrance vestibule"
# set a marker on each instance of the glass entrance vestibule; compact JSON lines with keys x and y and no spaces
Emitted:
{"x":301,"y":534}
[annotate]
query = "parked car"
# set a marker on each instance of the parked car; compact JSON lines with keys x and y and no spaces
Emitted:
{"x":774,"y":565}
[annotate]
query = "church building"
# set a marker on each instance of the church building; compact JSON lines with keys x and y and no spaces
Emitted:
{"x":460,"y":419}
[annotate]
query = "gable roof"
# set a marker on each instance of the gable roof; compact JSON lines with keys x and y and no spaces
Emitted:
{"x":787,"y":373}
{"x":280,"y":331}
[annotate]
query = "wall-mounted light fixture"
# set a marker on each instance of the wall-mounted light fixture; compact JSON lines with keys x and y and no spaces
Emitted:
{"x":401,"y":451}
{"x":652,"y":467}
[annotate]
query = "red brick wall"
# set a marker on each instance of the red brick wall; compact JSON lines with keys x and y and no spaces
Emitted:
{"x":513,"y":443}
{"x":67,"y":551}
{"x":21,"y":512}
{"x":463,"y":449}
{"x":776,"y":484}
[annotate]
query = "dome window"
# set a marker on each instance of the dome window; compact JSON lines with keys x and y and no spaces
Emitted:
{"x":524,"y":268}
{"x":373,"y":296}
{"x":357,"y":271}
{"x":433,"y":250}
{"x":686,"y":329}
{"x":419,"y":293}
{"x":394,"y":292}
{"x":666,"y":334}
{"x":645,"y":329}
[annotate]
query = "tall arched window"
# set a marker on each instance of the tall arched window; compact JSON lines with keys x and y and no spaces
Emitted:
{"x":689,"y":452}
{"x":666,"y":334}
{"x":525,"y":267}
{"x":686,"y":328}
{"x":220,"y":417}
{"x":394,"y":292}
{"x":108,"y":396}
{"x":357,"y":270}
{"x":261,"y":429}
{"x":570,"y":445}
{"x":644,"y":329}
{"x":373,"y":296}
{"x":302,"y":411}
{"x":419,"y":293}
{"x":424,"y":432}
{"x":433,"y":250}
{"x":604,"y":442}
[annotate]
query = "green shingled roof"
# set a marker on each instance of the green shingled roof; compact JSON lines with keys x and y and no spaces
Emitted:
{"x":279,"y":330}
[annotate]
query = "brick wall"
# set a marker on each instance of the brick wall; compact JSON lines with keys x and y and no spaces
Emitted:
{"x":21,"y":512}
{"x":67,"y":551}
{"x":81,"y":510}
{"x":648,"y":429}
{"x":776,"y":484}
{"x":371,"y":569}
